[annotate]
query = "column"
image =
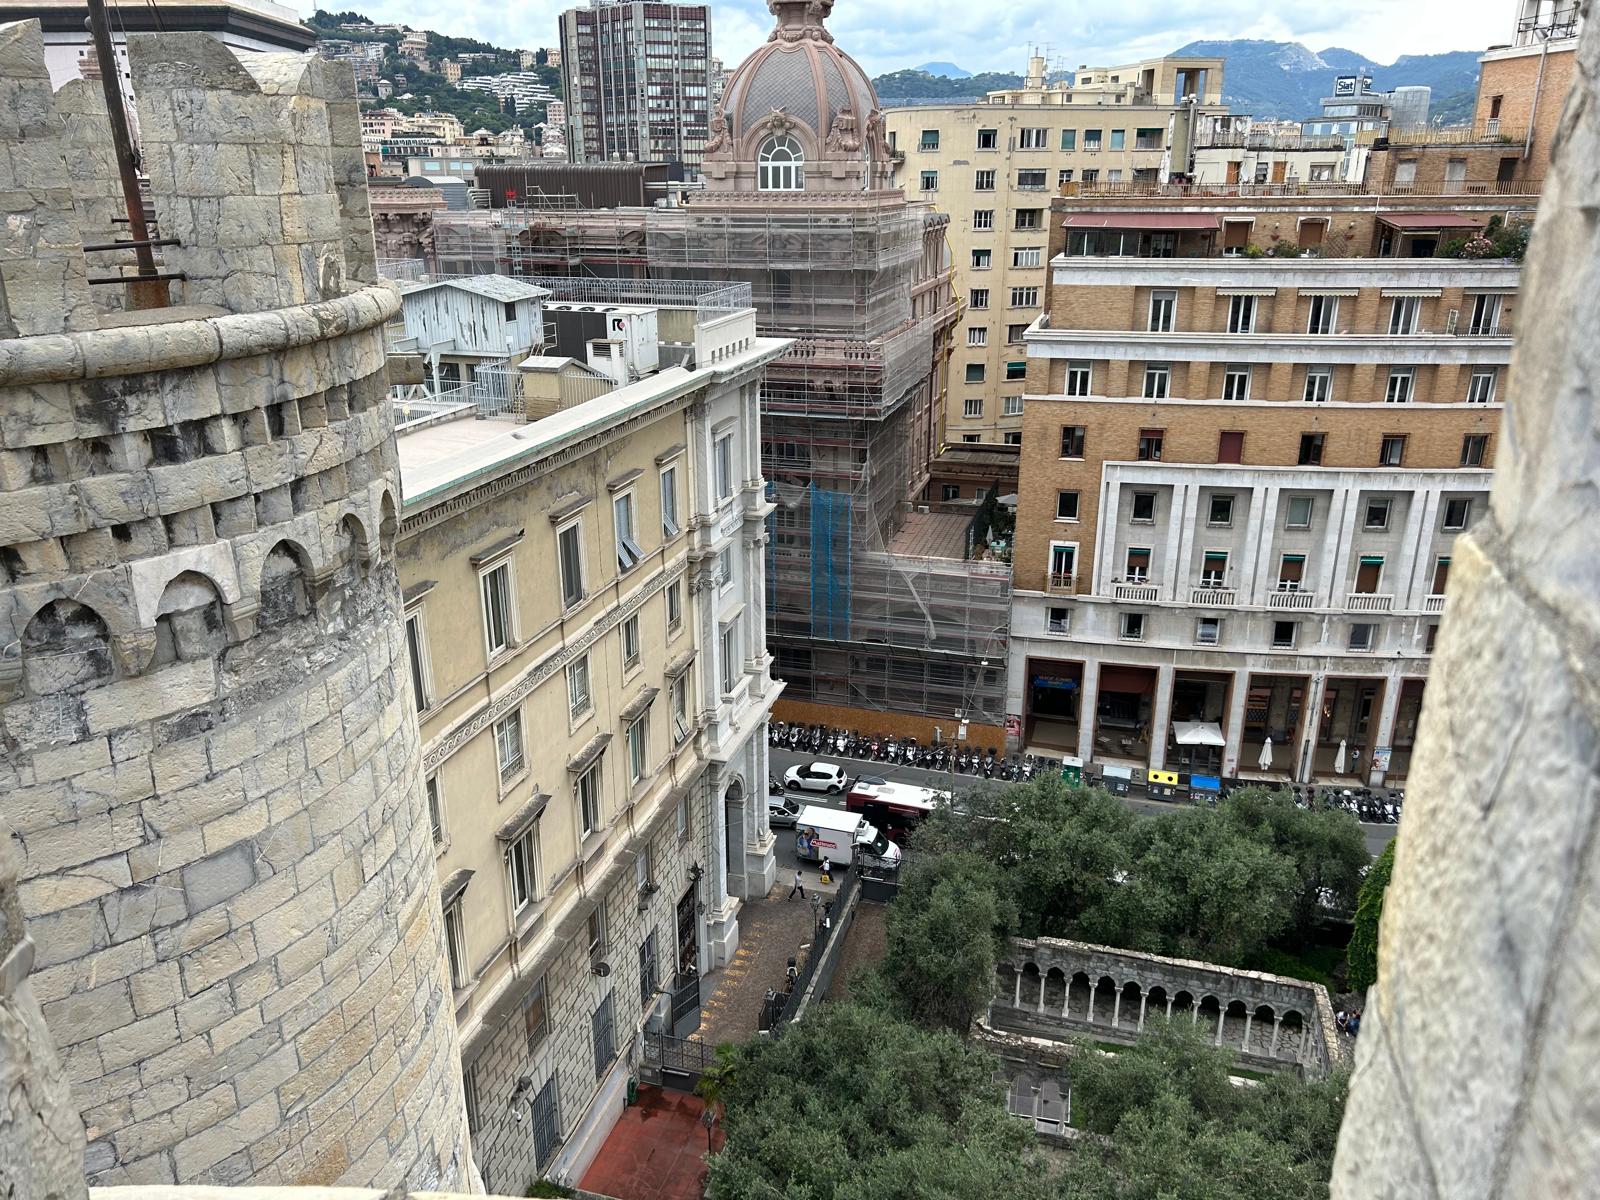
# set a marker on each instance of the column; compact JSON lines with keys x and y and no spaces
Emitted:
{"x":1408,"y":583}
{"x":1040,"y":1008}
{"x":1116,"y":1010}
{"x":1333,"y":579}
{"x":1105,"y":535}
{"x":1169,"y":1008}
{"x":1088,"y":704}
{"x":1144,"y":999}
{"x":1233,"y":723}
{"x":1256,"y":577}
{"x":1174,"y":566}
{"x":1222,"y":1014}
{"x":1090,"y":1016}
{"x":1194,"y":1013}
{"x":1066,"y":1001}
{"x":1249,"y":1017}
{"x":1016,"y":998}
{"x":1277,"y":1025}
{"x":1306,"y":752}
{"x":1160,"y":719}
{"x":1388,"y":708}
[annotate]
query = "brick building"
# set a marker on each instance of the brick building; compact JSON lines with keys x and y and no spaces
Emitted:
{"x":1253,"y":426}
{"x":994,"y":165}
{"x":1522,"y":87}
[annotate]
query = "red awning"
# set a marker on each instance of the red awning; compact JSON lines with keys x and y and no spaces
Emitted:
{"x":1416,"y":220}
{"x":1141,"y":220}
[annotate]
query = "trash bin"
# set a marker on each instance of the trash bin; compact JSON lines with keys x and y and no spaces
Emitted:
{"x":633,"y":1090}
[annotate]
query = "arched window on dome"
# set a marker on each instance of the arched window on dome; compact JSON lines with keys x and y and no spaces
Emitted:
{"x":782,"y":165}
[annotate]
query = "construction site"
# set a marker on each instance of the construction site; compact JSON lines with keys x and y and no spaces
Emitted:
{"x":873,"y":601}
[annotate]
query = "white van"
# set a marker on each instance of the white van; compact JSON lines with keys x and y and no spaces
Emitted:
{"x":842,"y":837}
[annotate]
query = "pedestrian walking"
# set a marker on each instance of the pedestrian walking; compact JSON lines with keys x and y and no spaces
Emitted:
{"x":827,"y":869}
{"x":1355,"y":1023}
{"x":799,"y":885}
{"x":1342,"y":1020}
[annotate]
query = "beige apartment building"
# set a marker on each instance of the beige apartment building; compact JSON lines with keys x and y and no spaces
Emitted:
{"x":584,"y":616}
{"x":994,"y":165}
{"x":1255,"y":422}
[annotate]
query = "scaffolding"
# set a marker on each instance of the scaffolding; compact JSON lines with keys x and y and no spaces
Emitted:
{"x":864,"y":289}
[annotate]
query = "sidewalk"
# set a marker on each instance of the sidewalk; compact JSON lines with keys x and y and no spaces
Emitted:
{"x":771,"y":931}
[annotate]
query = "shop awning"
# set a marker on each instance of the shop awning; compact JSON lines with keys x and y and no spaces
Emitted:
{"x":1425,"y":220}
{"x":1198,"y":733}
{"x":1163,"y":221}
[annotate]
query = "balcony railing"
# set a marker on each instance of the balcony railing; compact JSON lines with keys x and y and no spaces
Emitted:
{"x":1433,"y":604}
{"x":1140,"y":591}
{"x":1294,"y":600}
{"x":1213,"y":595}
{"x":1501,"y":329}
{"x":1299,"y":187}
{"x":1061,"y":583}
{"x":1368,"y":602}
{"x":1058,"y":624}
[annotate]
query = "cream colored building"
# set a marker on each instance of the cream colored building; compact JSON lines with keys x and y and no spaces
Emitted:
{"x":584,"y":616}
{"x":994,"y":165}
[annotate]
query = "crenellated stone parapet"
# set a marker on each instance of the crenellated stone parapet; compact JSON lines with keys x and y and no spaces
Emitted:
{"x":208,"y":754}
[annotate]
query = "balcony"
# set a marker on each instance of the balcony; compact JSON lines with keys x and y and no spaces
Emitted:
{"x":1433,"y":604}
{"x":1368,"y":602}
{"x":1292,"y":599}
{"x":1139,"y":591}
{"x":1058,"y":583}
{"x":1213,"y":595}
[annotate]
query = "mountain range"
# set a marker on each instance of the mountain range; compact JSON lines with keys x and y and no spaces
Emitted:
{"x":1265,"y":79}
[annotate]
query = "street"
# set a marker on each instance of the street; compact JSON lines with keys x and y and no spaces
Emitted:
{"x":1378,"y":836}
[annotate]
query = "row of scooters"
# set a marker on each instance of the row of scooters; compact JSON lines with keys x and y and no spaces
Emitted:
{"x":839,"y":742}
{"x":1380,"y":807}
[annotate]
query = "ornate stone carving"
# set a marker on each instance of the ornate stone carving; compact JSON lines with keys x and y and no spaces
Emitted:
{"x":716,"y":132}
{"x":844,"y":136}
{"x":777,"y":121}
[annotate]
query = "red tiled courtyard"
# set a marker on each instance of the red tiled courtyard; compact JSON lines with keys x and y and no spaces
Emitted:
{"x":656,"y":1151}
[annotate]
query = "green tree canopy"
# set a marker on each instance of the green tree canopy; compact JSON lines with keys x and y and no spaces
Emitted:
{"x":1172,"y":1124}
{"x":851,"y":1104}
{"x":941,"y":936}
{"x":1216,"y":884}
{"x":1363,"y":951}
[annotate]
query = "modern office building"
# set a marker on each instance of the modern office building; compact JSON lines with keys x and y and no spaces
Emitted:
{"x":583,"y":598}
{"x":1254,"y":424}
{"x":637,"y":81}
{"x":993,"y":166}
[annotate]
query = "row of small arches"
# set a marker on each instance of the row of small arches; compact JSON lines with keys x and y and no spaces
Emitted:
{"x":1254,"y":1027}
{"x":66,"y":645}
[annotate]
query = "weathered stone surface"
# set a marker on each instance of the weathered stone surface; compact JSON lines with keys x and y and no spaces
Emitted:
{"x":41,"y":1134}
{"x":1475,"y":1068}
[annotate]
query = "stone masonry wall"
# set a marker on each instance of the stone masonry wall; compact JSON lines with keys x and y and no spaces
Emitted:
{"x":207,"y":754}
{"x":1475,"y":1066}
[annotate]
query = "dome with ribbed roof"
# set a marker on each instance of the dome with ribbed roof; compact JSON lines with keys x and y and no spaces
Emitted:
{"x":799,"y":85}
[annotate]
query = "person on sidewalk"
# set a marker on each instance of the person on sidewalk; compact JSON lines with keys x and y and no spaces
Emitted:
{"x":799,"y":885}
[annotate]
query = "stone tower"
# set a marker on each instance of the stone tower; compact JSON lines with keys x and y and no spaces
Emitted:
{"x":206,"y":750}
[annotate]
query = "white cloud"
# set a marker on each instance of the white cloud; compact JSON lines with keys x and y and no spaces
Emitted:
{"x":995,"y":35}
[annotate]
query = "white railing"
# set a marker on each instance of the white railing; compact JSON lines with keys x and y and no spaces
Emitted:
{"x":1139,"y":591}
{"x":1213,"y":594}
{"x":1433,"y":604}
{"x":1368,"y":602}
{"x":1058,"y":625}
{"x":1295,"y":600}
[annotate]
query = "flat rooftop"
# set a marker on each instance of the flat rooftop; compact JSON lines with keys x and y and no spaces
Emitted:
{"x":441,"y":441}
{"x":933,"y":535}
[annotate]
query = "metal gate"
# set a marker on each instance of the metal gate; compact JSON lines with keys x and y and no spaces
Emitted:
{"x":685,"y":1003}
{"x":680,"y":1061}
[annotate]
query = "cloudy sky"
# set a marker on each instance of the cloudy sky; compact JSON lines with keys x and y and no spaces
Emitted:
{"x":886,"y":35}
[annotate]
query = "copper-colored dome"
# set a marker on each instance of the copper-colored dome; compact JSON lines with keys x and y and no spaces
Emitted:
{"x":799,"y":72}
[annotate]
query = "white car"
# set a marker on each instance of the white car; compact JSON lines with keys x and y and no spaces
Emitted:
{"x":816,"y":777}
